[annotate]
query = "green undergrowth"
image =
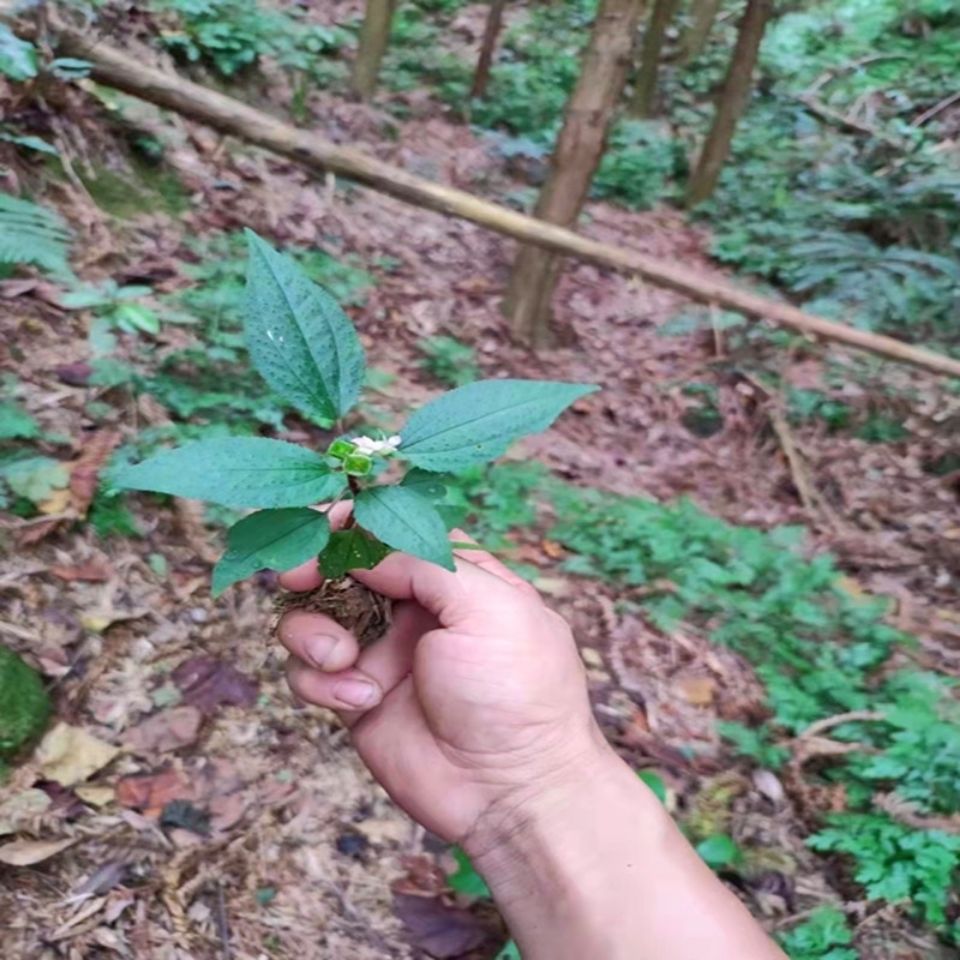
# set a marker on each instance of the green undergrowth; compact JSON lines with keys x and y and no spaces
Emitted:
{"x":819,"y":650}
{"x":24,"y":705}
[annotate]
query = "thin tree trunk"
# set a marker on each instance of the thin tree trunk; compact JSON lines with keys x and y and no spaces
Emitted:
{"x":125,"y":73}
{"x":576,"y":156}
{"x":731,"y":102}
{"x":374,"y":36}
{"x":487,"y":48}
{"x":645,"y":90}
{"x":695,"y":37}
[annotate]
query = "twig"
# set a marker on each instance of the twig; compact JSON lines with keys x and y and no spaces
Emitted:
{"x":835,"y":72}
{"x":222,"y":923}
{"x":845,"y":122}
{"x":935,"y":109}
{"x":827,"y":723}
{"x":21,"y":633}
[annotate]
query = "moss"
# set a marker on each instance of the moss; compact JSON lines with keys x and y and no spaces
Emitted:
{"x":145,"y":187}
{"x":24,"y":705}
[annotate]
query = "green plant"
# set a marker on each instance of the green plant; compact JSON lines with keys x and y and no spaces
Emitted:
{"x":24,"y":705}
{"x":232,"y":35}
{"x":308,"y":351}
{"x":449,"y":360}
{"x":824,"y":935}
{"x":18,"y":58}
{"x":30,"y":233}
{"x":895,"y":862}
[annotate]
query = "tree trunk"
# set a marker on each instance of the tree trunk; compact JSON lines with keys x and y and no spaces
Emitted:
{"x":576,"y":156}
{"x":487,"y":47}
{"x":645,"y":90}
{"x":374,"y":36}
{"x":694,"y":39}
{"x":731,"y":102}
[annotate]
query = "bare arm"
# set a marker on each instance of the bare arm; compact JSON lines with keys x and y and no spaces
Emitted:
{"x":473,"y":713}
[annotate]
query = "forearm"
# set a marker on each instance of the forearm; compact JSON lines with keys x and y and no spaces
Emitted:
{"x":598,"y":869}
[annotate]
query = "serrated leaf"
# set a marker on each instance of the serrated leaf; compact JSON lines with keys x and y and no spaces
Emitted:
{"x":405,"y":520}
{"x":299,"y":339}
{"x":237,"y":472}
{"x":477,"y":422}
{"x":270,"y":540}
{"x":352,"y":549}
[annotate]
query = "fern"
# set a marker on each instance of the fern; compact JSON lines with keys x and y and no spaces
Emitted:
{"x":33,"y":234}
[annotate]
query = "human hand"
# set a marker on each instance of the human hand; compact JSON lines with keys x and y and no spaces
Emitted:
{"x":474,"y":698}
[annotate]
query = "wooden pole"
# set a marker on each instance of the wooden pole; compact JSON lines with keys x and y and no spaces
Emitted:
{"x":115,"y":69}
{"x":645,"y":88}
{"x":694,"y":39}
{"x":577,"y":154}
{"x":374,"y":37}
{"x":488,"y":46}
{"x":731,"y":103}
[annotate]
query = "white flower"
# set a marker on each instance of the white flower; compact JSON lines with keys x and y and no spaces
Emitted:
{"x":372,"y":447}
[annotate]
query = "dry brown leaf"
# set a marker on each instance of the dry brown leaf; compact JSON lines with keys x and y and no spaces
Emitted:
{"x":70,"y":755}
{"x":96,"y":794}
{"x":697,"y":691}
{"x":25,"y":853}
{"x":18,"y":811}
{"x":165,"y":731}
{"x":85,"y":471}
{"x":93,"y":571}
{"x":56,"y":503}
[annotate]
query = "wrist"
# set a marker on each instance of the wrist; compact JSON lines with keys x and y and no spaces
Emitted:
{"x":515,"y":842}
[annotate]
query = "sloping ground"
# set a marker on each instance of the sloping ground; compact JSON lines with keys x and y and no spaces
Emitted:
{"x":297,"y":852}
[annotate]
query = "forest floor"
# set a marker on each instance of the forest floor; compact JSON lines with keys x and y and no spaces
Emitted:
{"x":282,"y":845}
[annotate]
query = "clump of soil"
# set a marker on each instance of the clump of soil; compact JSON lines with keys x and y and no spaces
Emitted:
{"x":355,"y":607}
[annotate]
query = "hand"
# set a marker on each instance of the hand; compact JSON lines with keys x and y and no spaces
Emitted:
{"x":475,"y":697}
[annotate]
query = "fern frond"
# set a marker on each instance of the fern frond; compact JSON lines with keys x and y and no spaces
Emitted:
{"x":33,"y":234}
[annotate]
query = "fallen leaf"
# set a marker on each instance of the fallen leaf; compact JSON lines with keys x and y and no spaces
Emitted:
{"x":85,"y":470}
{"x":553,"y":549}
{"x":18,"y":811}
{"x":440,"y":930}
{"x":74,"y":374}
{"x":25,"y":853}
{"x":697,"y":691}
{"x":57,"y":502}
{"x":95,"y":794}
{"x":207,"y":683}
{"x":165,"y":731}
{"x":93,"y":571}
{"x":70,"y":755}
{"x":151,"y":792}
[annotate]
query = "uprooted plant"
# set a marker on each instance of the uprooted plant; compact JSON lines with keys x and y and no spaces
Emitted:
{"x":308,"y":351}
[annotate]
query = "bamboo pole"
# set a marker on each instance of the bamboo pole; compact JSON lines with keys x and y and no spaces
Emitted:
{"x":116,"y":69}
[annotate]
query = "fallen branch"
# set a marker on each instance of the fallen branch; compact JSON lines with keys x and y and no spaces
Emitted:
{"x":122,"y":72}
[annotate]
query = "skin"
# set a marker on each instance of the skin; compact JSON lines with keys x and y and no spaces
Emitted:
{"x":473,"y":714}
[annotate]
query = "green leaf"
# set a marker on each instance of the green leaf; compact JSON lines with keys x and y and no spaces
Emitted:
{"x":655,"y":782}
{"x":477,"y":422}
{"x":510,"y":951}
{"x":16,"y":423}
{"x":36,"y":478}
{"x":18,"y":58}
{"x":299,"y":339}
{"x":271,"y":540}
{"x":718,"y":850}
{"x":237,"y":472}
{"x":425,"y":483}
{"x":30,"y":142}
{"x":466,"y":880}
{"x":407,"y":521}
{"x":352,"y":549}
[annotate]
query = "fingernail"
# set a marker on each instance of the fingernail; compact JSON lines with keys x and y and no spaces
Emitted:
{"x":356,"y":693}
{"x":318,"y":649}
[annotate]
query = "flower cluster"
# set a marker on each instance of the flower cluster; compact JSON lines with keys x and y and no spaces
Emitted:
{"x":372,"y":447}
